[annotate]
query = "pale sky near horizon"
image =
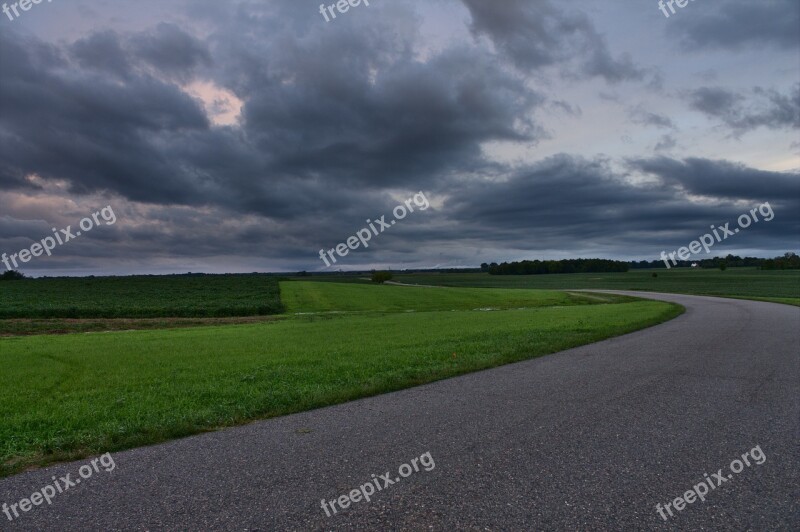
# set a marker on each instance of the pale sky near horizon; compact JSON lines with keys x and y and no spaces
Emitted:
{"x":247,"y":135}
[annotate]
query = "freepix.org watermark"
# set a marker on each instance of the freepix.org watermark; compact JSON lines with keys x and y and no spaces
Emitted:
{"x":24,"y":5}
{"x":365,"y":235}
{"x":702,"y":488}
{"x":721,"y":233}
{"x":379,"y":483}
{"x":342,"y":6}
{"x":60,"y":237}
{"x":59,"y":486}
{"x":664,"y":4}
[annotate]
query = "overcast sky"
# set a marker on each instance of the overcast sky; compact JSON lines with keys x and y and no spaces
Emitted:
{"x":244,"y":136}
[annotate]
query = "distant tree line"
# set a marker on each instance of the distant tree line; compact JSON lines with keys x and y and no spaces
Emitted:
{"x":11,"y":275}
{"x":789,"y":261}
{"x":537,"y":267}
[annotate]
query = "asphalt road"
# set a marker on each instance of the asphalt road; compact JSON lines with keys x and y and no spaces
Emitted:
{"x":589,"y":438}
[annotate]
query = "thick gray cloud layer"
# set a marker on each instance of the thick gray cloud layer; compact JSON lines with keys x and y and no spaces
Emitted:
{"x":539,"y":34}
{"x":763,"y":108}
{"x":604,"y":210}
{"x":736,"y":24}
{"x":341,"y":120}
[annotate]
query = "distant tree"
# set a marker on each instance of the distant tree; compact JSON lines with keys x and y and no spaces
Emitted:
{"x":381,"y":277}
{"x":789,"y":261}
{"x":722,"y":265}
{"x":485,"y":267}
{"x":12,"y":275}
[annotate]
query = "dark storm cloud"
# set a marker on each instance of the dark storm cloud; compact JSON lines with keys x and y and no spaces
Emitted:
{"x":743,"y":112}
{"x":723,"y":179}
{"x":736,"y":24}
{"x":537,"y":34}
{"x":171,"y":51}
{"x":11,"y":228}
{"x":10,"y":175}
{"x":370,"y":116}
{"x":602,"y":210}
{"x":167,"y":50}
{"x":353,"y":103}
{"x":103,"y":52}
{"x":533,"y":201}
{"x":408,"y":125}
{"x":100,"y":134}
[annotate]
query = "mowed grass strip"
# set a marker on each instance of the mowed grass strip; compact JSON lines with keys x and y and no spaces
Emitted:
{"x":779,"y":286}
{"x":66,"y":397}
{"x":310,"y":296}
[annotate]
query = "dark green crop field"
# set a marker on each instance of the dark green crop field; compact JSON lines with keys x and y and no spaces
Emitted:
{"x":186,"y":296}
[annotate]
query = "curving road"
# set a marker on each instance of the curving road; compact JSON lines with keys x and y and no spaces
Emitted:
{"x":589,"y":438}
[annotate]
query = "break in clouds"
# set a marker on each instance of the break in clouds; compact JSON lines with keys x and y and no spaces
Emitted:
{"x":245,"y":136}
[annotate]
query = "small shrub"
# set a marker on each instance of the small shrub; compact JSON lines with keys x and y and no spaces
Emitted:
{"x":11,"y":275}
{"x":654,"y":274}
{"x":381,"y":277}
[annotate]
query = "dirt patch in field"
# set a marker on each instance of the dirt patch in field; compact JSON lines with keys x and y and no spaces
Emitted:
{"x":590,"y":296}
{"x":28,"y":327}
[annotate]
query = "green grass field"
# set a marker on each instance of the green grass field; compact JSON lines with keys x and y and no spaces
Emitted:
{"x":748,"y":283}
{"x":66,"y":397}
{"x":307,"y":296}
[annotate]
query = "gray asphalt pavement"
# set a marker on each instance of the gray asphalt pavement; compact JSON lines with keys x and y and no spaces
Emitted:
{"x":590,"y":438}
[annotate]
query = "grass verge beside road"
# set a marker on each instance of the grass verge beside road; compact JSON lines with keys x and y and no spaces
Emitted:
{"x":776,"y":286}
